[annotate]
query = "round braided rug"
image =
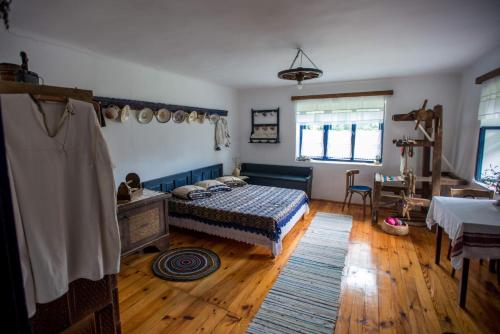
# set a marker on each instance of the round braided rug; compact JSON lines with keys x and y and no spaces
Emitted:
{"x":185,"y":264}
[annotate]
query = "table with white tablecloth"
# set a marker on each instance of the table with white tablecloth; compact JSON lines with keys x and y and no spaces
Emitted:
{"x":473,"y":227}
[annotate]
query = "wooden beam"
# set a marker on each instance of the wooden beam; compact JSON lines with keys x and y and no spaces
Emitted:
{"x":488,"y":76}
{"x":438,"y":150}
{"x":414,"y":143}
{"x":337,"y":95}
{"x":426,"y":159}
{"x":415,"y":115}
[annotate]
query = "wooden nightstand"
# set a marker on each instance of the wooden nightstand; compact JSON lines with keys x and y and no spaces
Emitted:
{"x":143,"y":222}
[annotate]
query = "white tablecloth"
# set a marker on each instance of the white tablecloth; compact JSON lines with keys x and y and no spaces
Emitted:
{"x":473,"y":225}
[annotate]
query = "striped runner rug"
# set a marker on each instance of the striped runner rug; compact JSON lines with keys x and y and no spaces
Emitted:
{"x":305,"y":296}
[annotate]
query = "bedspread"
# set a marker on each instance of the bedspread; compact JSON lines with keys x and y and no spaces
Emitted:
{"x":258,"y":209}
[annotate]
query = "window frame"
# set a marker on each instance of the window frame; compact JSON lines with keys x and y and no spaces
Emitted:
{"x":480,"y":150}
{"x":326,"y":128}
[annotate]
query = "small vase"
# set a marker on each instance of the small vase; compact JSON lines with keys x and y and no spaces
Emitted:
{"x":236,"y":171}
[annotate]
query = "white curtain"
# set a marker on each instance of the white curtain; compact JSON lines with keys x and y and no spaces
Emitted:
{"x":489,"y":107}
{"x":341,"y":110}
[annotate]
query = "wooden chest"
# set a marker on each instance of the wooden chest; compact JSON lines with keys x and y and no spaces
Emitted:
{"x":143,"y":222}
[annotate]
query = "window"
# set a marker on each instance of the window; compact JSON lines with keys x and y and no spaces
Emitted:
{"x":341,"y":129}
{"x":488,"y":153}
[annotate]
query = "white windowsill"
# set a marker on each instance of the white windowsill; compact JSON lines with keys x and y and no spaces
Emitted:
{"x":481,"y":184}
{"x":351,"y":163}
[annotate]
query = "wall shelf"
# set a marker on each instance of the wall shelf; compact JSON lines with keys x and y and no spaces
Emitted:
{"x":265,"y":126}
{"x":263,"y":141}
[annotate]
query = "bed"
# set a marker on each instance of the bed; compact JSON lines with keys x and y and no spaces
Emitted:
{"x":254,"y":214}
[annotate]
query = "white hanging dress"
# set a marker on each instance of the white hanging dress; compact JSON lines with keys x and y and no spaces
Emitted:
{"x":63,"y":195}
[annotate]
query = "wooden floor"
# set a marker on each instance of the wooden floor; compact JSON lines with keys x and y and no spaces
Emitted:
{"x":391,"y":285}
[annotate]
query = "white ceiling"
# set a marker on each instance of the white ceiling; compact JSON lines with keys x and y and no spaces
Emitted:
{"x":244,"y":43}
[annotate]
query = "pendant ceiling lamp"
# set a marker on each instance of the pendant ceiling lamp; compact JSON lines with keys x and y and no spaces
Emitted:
{"x":300,"y":73}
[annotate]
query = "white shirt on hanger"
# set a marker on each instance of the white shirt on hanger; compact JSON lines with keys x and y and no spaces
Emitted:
{"x":63,"y":195}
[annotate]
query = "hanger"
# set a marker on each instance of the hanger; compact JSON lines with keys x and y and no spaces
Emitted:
{"x":49,"y":93}
{"x":50,"y":98}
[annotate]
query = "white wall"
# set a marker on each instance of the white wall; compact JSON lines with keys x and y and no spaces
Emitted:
{"x":329,"y":178}
{"x":467,"y":130}
{"x":151,"y":150}
{"x":155,"y":149}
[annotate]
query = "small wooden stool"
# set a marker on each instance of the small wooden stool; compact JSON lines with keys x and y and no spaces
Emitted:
{"x":351,"y":188}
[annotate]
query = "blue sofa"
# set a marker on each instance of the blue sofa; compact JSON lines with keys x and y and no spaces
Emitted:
{"x":279,"y":176}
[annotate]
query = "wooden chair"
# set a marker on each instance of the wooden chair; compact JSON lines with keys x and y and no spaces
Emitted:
{"x":351,"y":188}
{"x":471,"y":193}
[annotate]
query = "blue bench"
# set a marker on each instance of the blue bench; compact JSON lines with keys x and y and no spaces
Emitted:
{"x":279,"y":176}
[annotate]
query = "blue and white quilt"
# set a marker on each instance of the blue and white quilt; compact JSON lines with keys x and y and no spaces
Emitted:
{"x":258,"y":209}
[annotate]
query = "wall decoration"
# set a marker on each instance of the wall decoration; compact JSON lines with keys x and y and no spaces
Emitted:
{"x":193,"y":116}
{"x":138,"y":105}
{"x":112,"y":112}
{"x":120,"y":109}
{"x":125,"y":113}
{"x":179,"y":116}
{"x":163,"y":115}
{"x":145,"y":116}
{"x":201,"y":117}
{"x":265,"y":126}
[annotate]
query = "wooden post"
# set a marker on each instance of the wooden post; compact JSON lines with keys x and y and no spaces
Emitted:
{"x":377,"y":185}
{"x":438,"y":150}
{"x":439,"y":237}
{"x":462,"y":290}
{"x":492,"y":268}
{"x":426,"y":160}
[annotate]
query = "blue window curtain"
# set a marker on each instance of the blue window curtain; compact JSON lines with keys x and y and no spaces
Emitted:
{"x":353,"y":139}
{"x":326,"y":128}
{"x":302,"y":128}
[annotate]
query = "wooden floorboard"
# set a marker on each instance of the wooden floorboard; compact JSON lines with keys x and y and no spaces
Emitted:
{"x":390,"y":285}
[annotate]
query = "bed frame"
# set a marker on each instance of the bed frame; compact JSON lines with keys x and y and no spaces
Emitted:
{"x":169,"y":183}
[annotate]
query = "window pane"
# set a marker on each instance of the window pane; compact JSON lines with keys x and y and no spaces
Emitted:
{"x":339,"y":141}
{"x":491,"y":156}
{"x":312,"y":141}
{"x":368,"y":141}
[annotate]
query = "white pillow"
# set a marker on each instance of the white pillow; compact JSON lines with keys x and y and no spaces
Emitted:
{"x":208,"y":183}
{"x":191,"y":192}
{"x":212,"y":185}
{"x":231,"y":181}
